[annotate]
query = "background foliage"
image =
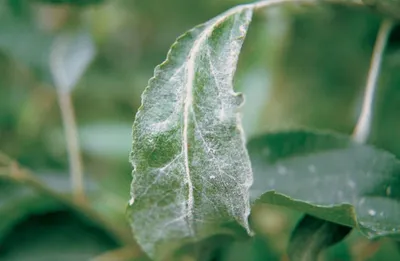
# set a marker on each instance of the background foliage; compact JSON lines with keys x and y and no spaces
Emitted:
{"x":300,"y":67}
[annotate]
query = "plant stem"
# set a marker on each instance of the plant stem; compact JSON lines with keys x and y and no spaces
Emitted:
{"x":364,"y":123}
{"x":72,"y":142}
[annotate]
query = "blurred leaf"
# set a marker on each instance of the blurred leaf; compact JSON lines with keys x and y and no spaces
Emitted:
{"x":330,"y":177}
{"x":189,"y":158}
{"x":17,"y":202}
{"x":386,"y":251}
{"x":254,"y":248}
{"x":340,"y":251}
{"x":16,"y":6}
{"x":310,"y":96}
{"x":106,"y":139}
{"x":212,"y":248}
{"x":15,"y":33}
{"x":24,"y":197}
{"x":257,"y":60}
{"x":386,"y":7}
{"x":71,"y":2}
{"x":61,"y":236}
{"x":71,"y":54}
{"x":121,"y":254}
{"x":35,"y":226}
{"x":227,"y":248}
{"x":313,"y":235}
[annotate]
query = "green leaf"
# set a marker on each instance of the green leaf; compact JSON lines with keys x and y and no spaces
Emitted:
{"x":385,"y":7}
{"x":330,"y":177}
{"x":313,"y":235}
{"x":105,"y":139}
{"x":16,"y":32}
{"x":71,"y":2}
{"x":34,"y":226}
{"x":71,"y":54}
{"x":24,"y":196}
{"x":59,"y":235}
{"x":191,"y":169}
{"x":17,"y":202}
{"x":254,"y":248}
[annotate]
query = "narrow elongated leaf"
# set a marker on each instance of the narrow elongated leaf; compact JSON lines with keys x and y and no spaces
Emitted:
{"x":313,"y":235}
{"x":191,"y":169}
{"x":330,"y":177}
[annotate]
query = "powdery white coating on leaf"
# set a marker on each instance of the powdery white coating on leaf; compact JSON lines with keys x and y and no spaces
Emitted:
{"x":191,"y":169}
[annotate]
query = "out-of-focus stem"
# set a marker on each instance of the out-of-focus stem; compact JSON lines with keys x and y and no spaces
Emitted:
{"x":364,"y":123}
{"x":72,"y":142}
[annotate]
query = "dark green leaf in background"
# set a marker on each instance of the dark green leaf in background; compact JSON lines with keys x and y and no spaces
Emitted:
{"x":59,"y":235}
{"x":16,"y":32}
{"x":71,"y":2}
{"x":191,"y":169}
{"x":385,"y":7}
{"x":17,"y":202}
{"x":330,"y":177}
{"x":313,"y":235}
{"x":254,"y":248}
{"x":39,"y":222}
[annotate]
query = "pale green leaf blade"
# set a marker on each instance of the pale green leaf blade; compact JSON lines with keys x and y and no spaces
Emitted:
{"x":71,"y":54}
{"x":191,"y":168}
{"x":330,"y":177}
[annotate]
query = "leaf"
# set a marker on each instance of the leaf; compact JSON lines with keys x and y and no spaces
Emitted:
{"x":105,"y":139}
{"x":36,"y":226}
{"x":70,"y":56}
{"x":255,"y":248}
{"x":71,"y":2}
{"x":330,"y":177}
{"x":212,"y":248}
{"x":23,"y":195}
{"x":386,"y":7}
{"x":17,"y":202}
{"x":16,"y":32}
{"x":59,"y":235}
{"x":313,"y":235}
{"x":191,"y":169}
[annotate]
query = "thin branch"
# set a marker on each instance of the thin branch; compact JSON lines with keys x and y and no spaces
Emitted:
{"x":363,"y":127}
{"x":71,"y":136}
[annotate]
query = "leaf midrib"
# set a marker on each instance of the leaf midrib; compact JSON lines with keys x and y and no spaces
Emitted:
{"x":188,"y":102}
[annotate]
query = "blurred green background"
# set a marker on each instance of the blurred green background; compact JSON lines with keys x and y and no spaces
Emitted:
{"x":300,"y":67}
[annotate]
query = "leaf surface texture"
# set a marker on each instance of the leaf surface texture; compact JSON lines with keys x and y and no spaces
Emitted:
{"x":191,"y":169}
